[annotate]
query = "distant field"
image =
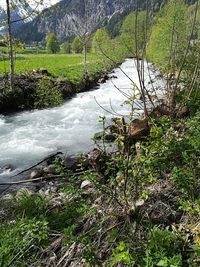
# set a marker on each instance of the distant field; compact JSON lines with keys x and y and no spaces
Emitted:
{"x":68,"y":66}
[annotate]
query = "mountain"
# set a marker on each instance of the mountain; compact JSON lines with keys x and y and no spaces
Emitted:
{"x":68,"y":16}
{"x":18,"y":14}
{"x":22,"y":13}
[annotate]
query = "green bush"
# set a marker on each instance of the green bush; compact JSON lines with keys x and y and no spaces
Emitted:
{"x":47,"y":95}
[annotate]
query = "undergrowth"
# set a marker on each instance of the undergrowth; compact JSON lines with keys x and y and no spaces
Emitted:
{"x":108,"y":222}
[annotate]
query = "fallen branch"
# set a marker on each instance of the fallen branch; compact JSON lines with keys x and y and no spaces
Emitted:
{"x":68,"y":256}
{"x":41,"y":178}
{"x":55,"y":245}
{"x":33,"y":180}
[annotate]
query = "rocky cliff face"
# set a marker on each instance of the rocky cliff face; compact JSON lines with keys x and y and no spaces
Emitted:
{"x":18,"y":13}
{"x":28,"y":9}
{"x":68,"y":16}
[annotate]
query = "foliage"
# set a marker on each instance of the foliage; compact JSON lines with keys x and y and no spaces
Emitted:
{"x":69,"y":215}
{"x":190,"y":19}
{"x":77,"y":45}
{"x":164,"y":249}
{"x":52,"y":44}
{"x":190,"y":96}
{"x":168,"y":38}
{"x":134,"y":32}
{"x":100,"y":41}
{"x":120,"y":254}
{"x":47,"y":95}
{"x":30,"y":205}
{"x":110,"y":220}
{"x":65,"y":48}
{"x":20,"y":239}
{"x":195,"y":257}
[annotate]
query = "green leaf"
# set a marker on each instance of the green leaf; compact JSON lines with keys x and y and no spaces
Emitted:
{"x":162,"y":262}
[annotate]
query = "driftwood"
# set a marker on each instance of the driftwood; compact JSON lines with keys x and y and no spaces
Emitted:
{"x":68,"y":256}
{"x":40,"y":179}
{"x":32,"y":180}
{"x":55,"y":245}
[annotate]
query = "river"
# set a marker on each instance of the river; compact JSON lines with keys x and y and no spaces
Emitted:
{"x":27,"y":137}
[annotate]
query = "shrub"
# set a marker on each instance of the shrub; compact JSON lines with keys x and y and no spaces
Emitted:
{"x":47,"y":95}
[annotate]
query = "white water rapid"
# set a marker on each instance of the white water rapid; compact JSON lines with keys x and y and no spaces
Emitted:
{"x":28,"y":137}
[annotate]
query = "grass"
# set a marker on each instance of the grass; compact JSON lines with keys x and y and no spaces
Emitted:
{"x":68,"y":66}
{"x":62,"y":67}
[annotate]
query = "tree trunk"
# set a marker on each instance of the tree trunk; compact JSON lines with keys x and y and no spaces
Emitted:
{"x":10,"y":45}
{"x":85,"y":62}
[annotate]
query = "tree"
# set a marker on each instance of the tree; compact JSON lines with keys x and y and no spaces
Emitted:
{"x":52,"y":44}
{"x":101,"y":40}
{"x":83,"y":30}
{"x":173,"y":47}
{"x":77,"y":45}
{"x":65,"y":48}
{"x":9,"y":6}
{"x":133,"y":32}
{"x":168,"y":39}
{"x":12,"y":70}
{"x":190,"y":16}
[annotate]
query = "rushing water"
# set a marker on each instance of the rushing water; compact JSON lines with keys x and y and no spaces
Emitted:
{"x":28,"y":137}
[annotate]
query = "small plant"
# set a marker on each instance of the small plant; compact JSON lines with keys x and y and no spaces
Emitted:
{"x":164,"y":248}
{"x":191,"y":206}
{"x":120,"y":254}
{"x":59,"y":166}
{"x":185,"y":179}
{"x":70,"y":213}
{"x":194,"y":260}
{"x":30,"y":205}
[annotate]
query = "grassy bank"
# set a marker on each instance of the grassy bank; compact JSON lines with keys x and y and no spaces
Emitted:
{"x":45,"y":80}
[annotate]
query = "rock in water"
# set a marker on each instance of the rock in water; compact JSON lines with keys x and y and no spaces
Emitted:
{"x":7,"y":167}
{"x":36,"y":173}
{"x":71,"y":163}
{"x":51,"y":169}
{"x":106,"y":136}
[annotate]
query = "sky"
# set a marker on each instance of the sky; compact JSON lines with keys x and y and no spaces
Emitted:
{"x":47,"y":3}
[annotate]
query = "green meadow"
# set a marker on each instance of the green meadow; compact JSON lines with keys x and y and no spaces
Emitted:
{"x":69,"y":66}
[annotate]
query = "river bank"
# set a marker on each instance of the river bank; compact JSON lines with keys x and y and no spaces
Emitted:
{"x":39,"y":89}
{"x":114,"y":208}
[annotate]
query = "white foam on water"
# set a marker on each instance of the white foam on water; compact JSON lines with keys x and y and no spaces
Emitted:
{"x":28,"y":137}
